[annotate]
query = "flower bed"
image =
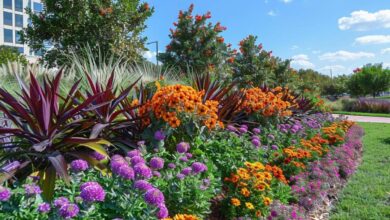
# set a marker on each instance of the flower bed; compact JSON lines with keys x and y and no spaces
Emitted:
{"x":178,"y":153}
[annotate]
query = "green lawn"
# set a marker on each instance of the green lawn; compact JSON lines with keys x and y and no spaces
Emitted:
{"x":367,"y":194}
{"x":362,"y":114}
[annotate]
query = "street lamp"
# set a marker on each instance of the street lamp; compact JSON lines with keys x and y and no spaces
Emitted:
{"x":155,"y":42}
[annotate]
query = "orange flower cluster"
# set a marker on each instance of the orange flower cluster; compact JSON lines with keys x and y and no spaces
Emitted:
{"x":332,"y":132}
{"x":252,"y":186}
{"x":277,"y":172}
{"x":315,"y":144}
{"x":183,"y":217}
{"x":169,"y":102}
{"x":269,"y":103}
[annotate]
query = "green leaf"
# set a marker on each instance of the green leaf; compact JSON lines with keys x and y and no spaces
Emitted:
{"x":97,"y":146}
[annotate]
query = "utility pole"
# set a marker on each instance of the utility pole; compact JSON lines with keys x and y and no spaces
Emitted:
{"x":155,"y":42}
{"x":331,"y":73}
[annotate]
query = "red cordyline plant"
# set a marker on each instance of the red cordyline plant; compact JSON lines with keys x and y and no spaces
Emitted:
{"x":45,"y":131}
{"x":109,"y":116}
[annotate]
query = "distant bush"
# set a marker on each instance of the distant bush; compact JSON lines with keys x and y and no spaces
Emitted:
{"x":366,"y":105}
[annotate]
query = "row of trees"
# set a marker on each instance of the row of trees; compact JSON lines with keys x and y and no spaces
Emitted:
{"x":196,"y":45}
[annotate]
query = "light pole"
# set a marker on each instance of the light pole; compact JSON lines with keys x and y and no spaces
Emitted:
{"x":155,"y":42}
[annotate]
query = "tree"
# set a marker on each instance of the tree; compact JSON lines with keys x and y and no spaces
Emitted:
{"x":372,"y":79}
{"x":11,"y":54}
{"x":336,"y":86}
{"x":196,"y":44}
{"x":254,"y":65}
{"x":114,"y":27}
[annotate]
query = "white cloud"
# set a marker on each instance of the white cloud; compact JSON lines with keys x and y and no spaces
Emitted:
{"x":335,"y":69}
{"x":272,"y":13}
{"x":294,"y":47}
{"x":386,"y":65}
{"x":343,"y":55}
{"x":363,"y":20}
{"x":286,"y":1}
{"x":301,"y":61}
{"x":373,"y":39}
{"x":386,"y":50}
{"x":150,"y":55}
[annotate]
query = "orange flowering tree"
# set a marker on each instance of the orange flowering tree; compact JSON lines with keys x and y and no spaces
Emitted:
{"x":196,"y":44}
{"x":251,"y":189}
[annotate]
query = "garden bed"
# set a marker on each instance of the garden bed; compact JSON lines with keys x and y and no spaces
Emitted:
{"x":175,"y":152}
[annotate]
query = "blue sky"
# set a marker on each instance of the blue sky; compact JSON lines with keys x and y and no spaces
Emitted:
{"x":320,"y":34}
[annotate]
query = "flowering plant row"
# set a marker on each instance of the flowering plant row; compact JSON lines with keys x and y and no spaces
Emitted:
{"x":175,"y":154}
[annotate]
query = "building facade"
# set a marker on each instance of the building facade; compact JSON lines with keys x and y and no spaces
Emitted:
{"x":13,"y":18}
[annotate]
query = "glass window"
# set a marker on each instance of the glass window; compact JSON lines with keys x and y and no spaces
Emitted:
{"x":8,"y":36}
{"x":18,"y":20}
{"x":17,"y":38}
{"x":7,"y":4}
{"x":21,"y":50}
{"x":7,"y":18}
{"x":37,"y":7}
{"x":19,"y":5}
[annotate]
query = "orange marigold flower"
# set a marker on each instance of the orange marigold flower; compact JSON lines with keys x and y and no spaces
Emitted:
{"x":267,"y":201}
{"x":245,"y":192}
{"x":235,"y":202}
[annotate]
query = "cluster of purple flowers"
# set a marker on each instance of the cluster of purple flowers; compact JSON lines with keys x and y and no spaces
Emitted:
{"x":155,"y":197}
{"x":79,"y":165}
{"x":291,"y":128}
{"x":159,"y":135}
{"x":5,"y":194}
{"x":32,"y":189}
{"x":92,"y":192}
{"x":66,"y":209}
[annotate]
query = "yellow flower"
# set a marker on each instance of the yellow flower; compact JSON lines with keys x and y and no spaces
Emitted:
{"x":235,"y":202}
{"x":245,"y":192}
{"x":267,"y":201}
{"x":249,"y":205}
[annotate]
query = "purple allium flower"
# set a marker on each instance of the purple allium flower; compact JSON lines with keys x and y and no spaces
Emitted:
{"x":256,"y":130}
{"x":184,"y":159}
{"x":180,"y":176}
{"x":231,"y":128}
{"x":271,"y":137}
{"x":243,"y":130}
{"x":44,"y":207}
{"x":186,"y":171}
{"x":154,"y":197}
{"x":171,"y":166}
{"x":142,"y":170}
{"x":198,"y":167}
{"x":126,"y":172}
{"x":58,"y":203}
{"x":136,"y":160}
{"x":142,"y":185}
{"x":156,"y":163}
{"x":188,"y":155}
{"x":182,"y":147}
{"x":162,"y":212}
{"x":133,"y":153}
{"x":159,"y":135}
{"x":116,"y":162}
{"x":69,"y":210}
{"x":79,"y":165}
{"x":92,"y":192}
{"x":274,"y":213}
{"x":156,"y":174}
{"x":98,"y":156}
{"x":32,"y":189}
{"x":274,"y":147}
{"x":256,"y":142}
{"x":5,"y":193}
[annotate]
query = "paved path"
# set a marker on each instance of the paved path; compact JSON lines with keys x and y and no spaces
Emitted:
{"x":366,"y":118}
